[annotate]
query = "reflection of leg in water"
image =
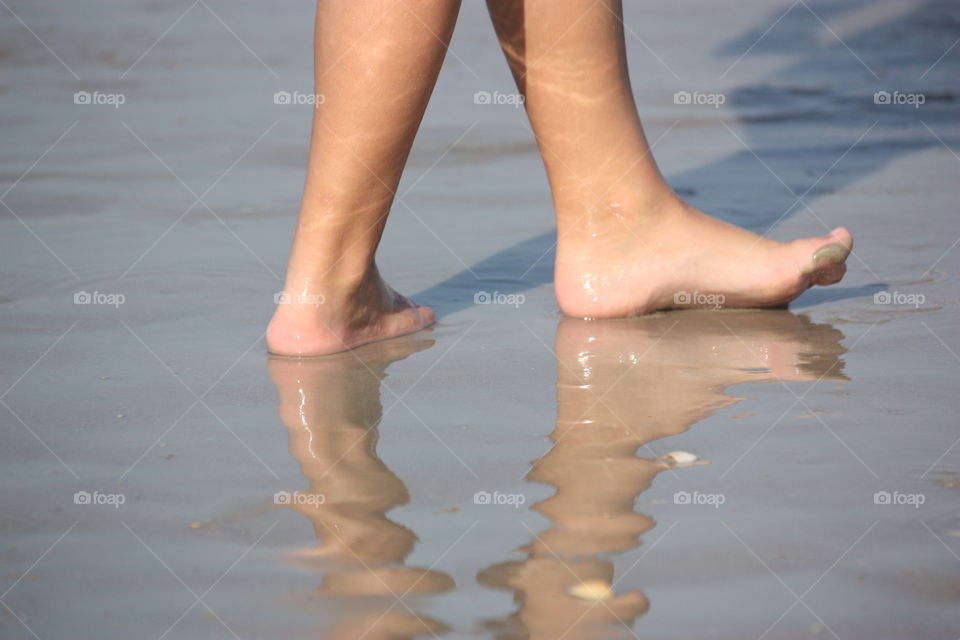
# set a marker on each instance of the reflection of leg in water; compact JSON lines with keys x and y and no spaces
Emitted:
{"x":331,"y":408}
{"x":620,"y":385}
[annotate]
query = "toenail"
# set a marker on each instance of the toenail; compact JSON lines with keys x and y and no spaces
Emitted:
{"x":830,"y":253}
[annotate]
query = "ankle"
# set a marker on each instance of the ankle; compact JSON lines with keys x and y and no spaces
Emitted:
{"x":616,"y":223}
{"x":335,"y":301}
{"x":329,"y":264}
{"x":615,"y":216}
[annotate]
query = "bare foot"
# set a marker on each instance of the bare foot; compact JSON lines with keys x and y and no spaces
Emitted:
{"x":318,"y":320}
{"x":682,"y":258}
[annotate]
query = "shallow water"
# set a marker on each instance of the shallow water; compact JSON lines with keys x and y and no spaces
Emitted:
{"x":349,"y":496}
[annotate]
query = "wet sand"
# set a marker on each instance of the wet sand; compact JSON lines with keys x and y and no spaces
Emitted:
{"x":461,"y":481}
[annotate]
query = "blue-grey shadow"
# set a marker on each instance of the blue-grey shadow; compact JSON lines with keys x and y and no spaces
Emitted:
{"x":511,"y":270}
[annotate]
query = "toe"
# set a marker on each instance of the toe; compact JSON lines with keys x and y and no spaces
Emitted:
{"x":830,"y":274}
{"x":424,"y":316}
{"x":824,"y":258}
{"x":842,"y":236}
{"x":829,"y":255}
{"x":427,"y":316}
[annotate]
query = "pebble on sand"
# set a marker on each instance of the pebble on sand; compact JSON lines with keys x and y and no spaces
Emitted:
{"x":592,"y":590}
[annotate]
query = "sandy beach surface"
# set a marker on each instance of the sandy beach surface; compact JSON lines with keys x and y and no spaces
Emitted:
{"x":163,"y":478}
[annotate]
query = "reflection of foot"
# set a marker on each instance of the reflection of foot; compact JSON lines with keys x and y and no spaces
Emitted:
{"x":642,"y":266}
{"x":622,"y":384}
{"x":659,"y":374}
{"x":698,"y":351}
{"x":318,"y":320}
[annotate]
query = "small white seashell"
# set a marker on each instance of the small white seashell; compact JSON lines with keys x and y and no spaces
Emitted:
{"x":592,"y":590}
{"x":679,"y":458}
